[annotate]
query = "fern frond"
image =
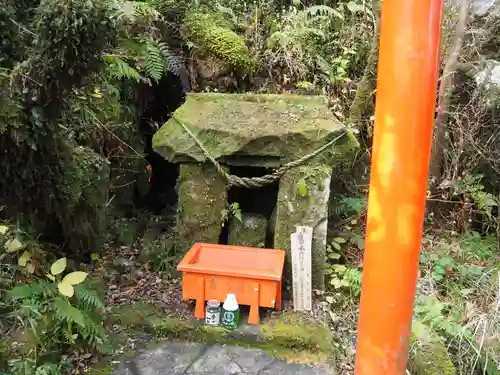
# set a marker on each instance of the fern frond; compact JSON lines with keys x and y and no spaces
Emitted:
{"x":68,"y":336}
{"x":134,"y":12}
{"x":173,"y":62}
{"x":106,"y":347}
{"x":93,"y":332}
{"x":89,"y":298}
{"x":131,"y":45}
{"x":31,"y":290}
{"x":154,"y":61}
{"x":68,"y":313}
{"x":120,"y":69}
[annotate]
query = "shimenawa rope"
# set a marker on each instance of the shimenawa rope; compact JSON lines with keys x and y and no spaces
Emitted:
{"x":257,"y":182}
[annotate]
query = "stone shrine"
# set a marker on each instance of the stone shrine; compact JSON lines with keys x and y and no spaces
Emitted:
{"x":251,"y":135}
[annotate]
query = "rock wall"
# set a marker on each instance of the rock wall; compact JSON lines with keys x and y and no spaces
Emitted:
{"x":250,"y":231}
{"x":202,"y":200}
{"x":303,"y":200}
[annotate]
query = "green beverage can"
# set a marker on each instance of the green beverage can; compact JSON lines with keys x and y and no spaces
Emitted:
{"x":230,"y":312}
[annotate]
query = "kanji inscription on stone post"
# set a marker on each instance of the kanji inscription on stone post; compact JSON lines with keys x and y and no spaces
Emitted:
{"x":301,"y":242}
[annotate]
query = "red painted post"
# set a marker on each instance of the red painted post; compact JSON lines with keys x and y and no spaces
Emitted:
{"x":404,"y":117}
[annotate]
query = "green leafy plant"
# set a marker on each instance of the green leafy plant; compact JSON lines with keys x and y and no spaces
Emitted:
{"x":464,"y":260}
{"x":16,"y":243}
{"x":25,"y":366}
{"x":56,"y":310}
{"x":336,"y":71}
{"x":440,"y":266}
{"x":162,"y":257}
{"x":118,"y":68}
{"x":141,"y":58}
{"x":471,"y":188}
{"x":302,"y":188}
{"x":234,"y":210}
{"x":342,"y":277}
{"x":438,"y":315}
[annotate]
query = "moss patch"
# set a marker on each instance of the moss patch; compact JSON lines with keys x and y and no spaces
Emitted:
{"x":291,"y":331}
{"x":429,"y":355}
{"x":279,"y":128}
{"x":276,"y":338}
{"x":138,"y":315}
{"x":202,"y":199}
{"x":212,"y":34}
{"x":291,"y":336}
{"x":294,"y":330}
{"x":303,"y":200}
{"x":250,"y":231}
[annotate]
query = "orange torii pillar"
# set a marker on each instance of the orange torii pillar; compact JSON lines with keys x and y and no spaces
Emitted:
{"x":404,"y":117}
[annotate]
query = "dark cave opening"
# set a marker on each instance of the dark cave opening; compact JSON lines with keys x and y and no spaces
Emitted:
{"x":159,"y":102}
{"x":261,"y":201}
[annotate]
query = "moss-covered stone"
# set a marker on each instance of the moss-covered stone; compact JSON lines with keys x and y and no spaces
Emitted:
{"x":303,"y":200}
{"x":213,"y":35}
{"x":273,"y":129}
{"x":294,"y":330}
{"x":202,"y":200}
{"x":136,"y":315}
{"x":251,"y":230}
{"x":428,"y":354}
{"x":282,"y":336}
{"x":88,"y":186}
{"x":292,"y":336}
{"x":291,"y":330}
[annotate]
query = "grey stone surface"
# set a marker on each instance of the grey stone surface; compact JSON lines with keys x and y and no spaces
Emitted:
{"x":489,"y":77}
{"x":304,"y":207}
{"x":479,"y":8}
{"x":282,"y":368}
{"x":215,"y":360}
{"x":250,"y":231}
{"x":482,"y":7}
{"x":249,"y":360}
{"x":274,"y":128}
{"x":198,"y":359}
{"x":247,"y":332}
{"x":171,"y":359}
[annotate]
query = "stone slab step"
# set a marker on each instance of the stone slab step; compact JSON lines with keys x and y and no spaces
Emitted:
{"x":176,"y":358}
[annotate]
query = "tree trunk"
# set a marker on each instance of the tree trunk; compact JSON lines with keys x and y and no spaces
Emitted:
{"x":445,"y":88}
{"x":363,"y":104}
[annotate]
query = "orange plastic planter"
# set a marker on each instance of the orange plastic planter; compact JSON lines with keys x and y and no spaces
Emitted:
{"x":212,"y":271}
